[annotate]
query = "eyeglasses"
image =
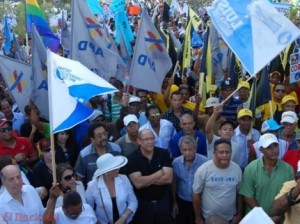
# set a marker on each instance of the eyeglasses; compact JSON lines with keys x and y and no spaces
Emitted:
{"x":279,"y":90}
{"x":47,"y":150}
{"x":69,"y":177}
{"x":147,"y":139}
{"x":74,"y":215}
{"x":5,"y":130}
{"x":154,"y":116}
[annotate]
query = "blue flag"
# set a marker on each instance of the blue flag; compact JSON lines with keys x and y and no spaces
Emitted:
{"x":8,"y":36}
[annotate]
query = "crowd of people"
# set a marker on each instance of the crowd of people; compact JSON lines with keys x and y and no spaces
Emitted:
{"x":157,"y":158}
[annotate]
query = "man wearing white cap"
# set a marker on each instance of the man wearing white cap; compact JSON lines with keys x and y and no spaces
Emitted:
{"x":263,"y":178}
{"x":288,"y":200}
{"x":271,"y":126}
{"x":289,"y":121}
{"x":128,"y":143}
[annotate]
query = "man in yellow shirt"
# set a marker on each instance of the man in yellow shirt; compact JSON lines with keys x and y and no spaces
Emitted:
{"x":288,"y":200}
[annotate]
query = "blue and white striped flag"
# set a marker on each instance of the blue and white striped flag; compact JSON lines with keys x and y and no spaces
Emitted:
{"x":71,"y":85}
{"x":254,"y":30}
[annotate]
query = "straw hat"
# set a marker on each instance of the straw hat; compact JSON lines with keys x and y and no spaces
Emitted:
{"x":108,"y":162}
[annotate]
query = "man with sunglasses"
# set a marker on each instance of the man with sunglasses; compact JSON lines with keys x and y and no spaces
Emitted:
{"x":18,"y":147}
{"x":162,"y":129}
{"x":72,"y":210}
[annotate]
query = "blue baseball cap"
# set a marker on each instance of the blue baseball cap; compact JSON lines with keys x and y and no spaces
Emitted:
{"x":270,"y":125}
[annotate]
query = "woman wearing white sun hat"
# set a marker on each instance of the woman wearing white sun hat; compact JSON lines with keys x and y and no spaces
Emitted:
{"x":111,"y":192}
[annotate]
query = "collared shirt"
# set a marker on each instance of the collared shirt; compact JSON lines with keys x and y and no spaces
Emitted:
{"x":241,"y":140}
{"x":30,"y":212}
{"x":126,"y":145}
{"x":137,"y":162}
{"x":87,"y":216}
{"x":23,"y":145}
{"x":184,"y":175}
{"x":17,"y":121}
{"x":201,"y":144}
{"x":292,"y":215}
{"x":170,"y":116}
{"x":166,"y":132}
{"x":292,"y":144}
{"x":230,"y":111}
{"x":262,"y":187}
{"x":86,"y":162}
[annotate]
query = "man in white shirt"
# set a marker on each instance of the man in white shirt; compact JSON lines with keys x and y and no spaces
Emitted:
{"x":19,"y":203}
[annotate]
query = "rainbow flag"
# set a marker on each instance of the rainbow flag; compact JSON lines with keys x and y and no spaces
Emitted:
{"x":34,"y":15}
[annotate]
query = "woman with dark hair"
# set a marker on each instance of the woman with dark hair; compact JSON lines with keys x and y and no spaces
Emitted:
{"x":66,"y":177}
{"x":65,"y":148}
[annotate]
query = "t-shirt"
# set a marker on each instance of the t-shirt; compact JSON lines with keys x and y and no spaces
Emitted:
{"x":219,"y":188}
{"x":23,"y":145}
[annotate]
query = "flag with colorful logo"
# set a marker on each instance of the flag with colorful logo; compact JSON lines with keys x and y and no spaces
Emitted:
{"x":90,"y":45}
{"x":71,"y":85}
{"x":16,"y":75}
{"x":151,"y":61}
{"x":254,"y":30}
{"x":34,"y":15}
{"x":39,"y":84}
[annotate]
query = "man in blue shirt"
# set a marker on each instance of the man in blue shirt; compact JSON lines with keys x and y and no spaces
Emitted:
{"x":187,"y":125}
{"x":184,"y":169}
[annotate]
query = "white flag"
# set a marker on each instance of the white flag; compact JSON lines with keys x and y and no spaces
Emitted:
{"x":254,"y":30}
{"x":90,"y":44}
{"x":151,"y":61}
{"x":71,"y":85}
{"x":16,"y":75}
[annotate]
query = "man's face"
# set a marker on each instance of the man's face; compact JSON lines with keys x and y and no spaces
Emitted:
{"x":176,"y":101}
{"x":146,"y":141}
{"x":226,"y":131}
{"x":289,"y":128}
{"x":245,"y":123}
{"x":134,"y":108}
{"x":187,"y":124}
{"x":6,"y":132}
{"x":289,"y":106}
{"x":73,"y":212}
{"x":100,"y":137}
{"x":185,"y":95}
{"x":132,"y":128}
{"x":6,"y":108}
{"x":188,"y":151}
{"x":243,"y":93}
{"x":271,"y":152}
{"x":279,"y":92}
{"x":143,"y":97}
{"x":225,"y":92}
{"x":154,"y":117}
{"x":222,"y":155}
{"x":13,"y":180}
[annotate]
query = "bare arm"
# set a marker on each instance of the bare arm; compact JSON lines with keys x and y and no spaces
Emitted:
{"x":209,"y":128}
{"x":197,"y":208}
{"x":48,"y":217}
{"x":240,"y":209}
{"x":282,"y":204}
{"x":140,"y":181}
{"x":251,"y":202}
{"x":197,"y":64}
{"x":166,"y":178}
{"x":167,"y":92}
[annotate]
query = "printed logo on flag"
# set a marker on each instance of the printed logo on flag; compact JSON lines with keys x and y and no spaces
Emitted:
{"x":294,"y":67}
{"x":94,"y":25}
{"x":155,"y":40}
{"x":16,"y":80}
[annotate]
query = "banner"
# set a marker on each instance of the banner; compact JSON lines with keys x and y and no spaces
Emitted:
{"x":254,"y":30}
{"x":294,"y":67}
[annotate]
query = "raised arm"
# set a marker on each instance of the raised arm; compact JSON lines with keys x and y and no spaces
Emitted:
{"x":209,"y":128}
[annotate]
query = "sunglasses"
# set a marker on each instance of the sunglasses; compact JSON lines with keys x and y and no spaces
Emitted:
{"x":155,"y":116}
{"x":280,"y":90}
{"x":47,"y":150}
{"x":5,"y":130}
{"x":69,"y":177}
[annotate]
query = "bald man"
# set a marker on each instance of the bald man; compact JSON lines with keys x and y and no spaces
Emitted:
{"x":19,"y":203}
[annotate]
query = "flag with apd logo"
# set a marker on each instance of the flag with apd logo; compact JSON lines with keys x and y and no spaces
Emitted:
{"x":70,"y":86}
{"x":16,"y":75}
{"x":39,"y":84}
{"x":150,"y":62}
{"x":90,"y":44}
{"x":254,"y":30}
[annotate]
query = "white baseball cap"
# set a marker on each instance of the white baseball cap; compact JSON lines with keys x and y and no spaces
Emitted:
{"x":212,"y":102}
{"x":267,"y":139}
{"x":130,"y":118}
{"x":289,"y":117}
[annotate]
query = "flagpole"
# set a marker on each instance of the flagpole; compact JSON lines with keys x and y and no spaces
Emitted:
{"x":223,"y":101}
{"x":175,"y":69}
{"x":201,"y":79}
